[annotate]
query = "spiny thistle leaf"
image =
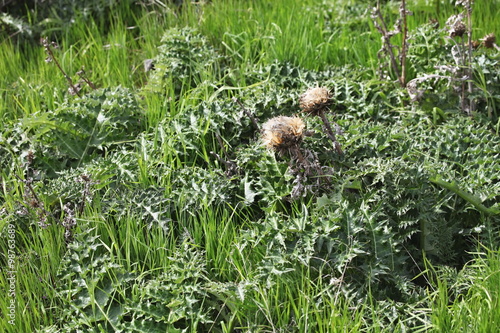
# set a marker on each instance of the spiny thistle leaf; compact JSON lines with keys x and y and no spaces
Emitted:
{"x":101,"y":120}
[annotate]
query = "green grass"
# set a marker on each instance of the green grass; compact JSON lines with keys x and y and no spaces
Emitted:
{"x":168,"y":237}
{"x":477,"y":310}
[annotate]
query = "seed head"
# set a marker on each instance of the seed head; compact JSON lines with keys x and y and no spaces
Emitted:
{"x":458,"y":29}
{"x":283,"y":133}
{"x":456,"y":26}
{"x":489,"y":41}
{"x":315,"y":100}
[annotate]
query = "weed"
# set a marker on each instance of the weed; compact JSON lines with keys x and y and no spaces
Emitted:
{"x":314,"y":102}
{"x":166,"y":211}
{"x":73,"y":89}
{"x":396,"y":60}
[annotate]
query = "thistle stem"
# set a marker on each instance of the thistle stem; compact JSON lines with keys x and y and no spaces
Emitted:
{"x":330,"y":133}
{"x":48,"y":49}
{"x":469,"y":54}
{"x":386,"y":37}
{"x":404,"y":47}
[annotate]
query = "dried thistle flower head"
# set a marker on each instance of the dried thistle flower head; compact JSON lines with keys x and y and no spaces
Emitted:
{"x":458,"y":30}
{"x":489,"y":41}
{"x":283,"y":133}
{"x":315,"y":100}
{"x":456,"y":26}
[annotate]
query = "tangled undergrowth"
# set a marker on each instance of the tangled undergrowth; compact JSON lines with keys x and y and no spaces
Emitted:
{"x":201,"y":214}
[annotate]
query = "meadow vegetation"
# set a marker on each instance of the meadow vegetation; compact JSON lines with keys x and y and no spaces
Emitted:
{"x":144,"y":187}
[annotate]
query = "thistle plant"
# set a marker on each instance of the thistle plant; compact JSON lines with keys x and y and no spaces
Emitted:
{"x":464,"y":68}
{"x":315,"y":102}
{"x":456,"y":29}
{"x":34,"y":204}
{"x":284,"y":135}
{"x":462,"y":51}
{"x":397,"y":61}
